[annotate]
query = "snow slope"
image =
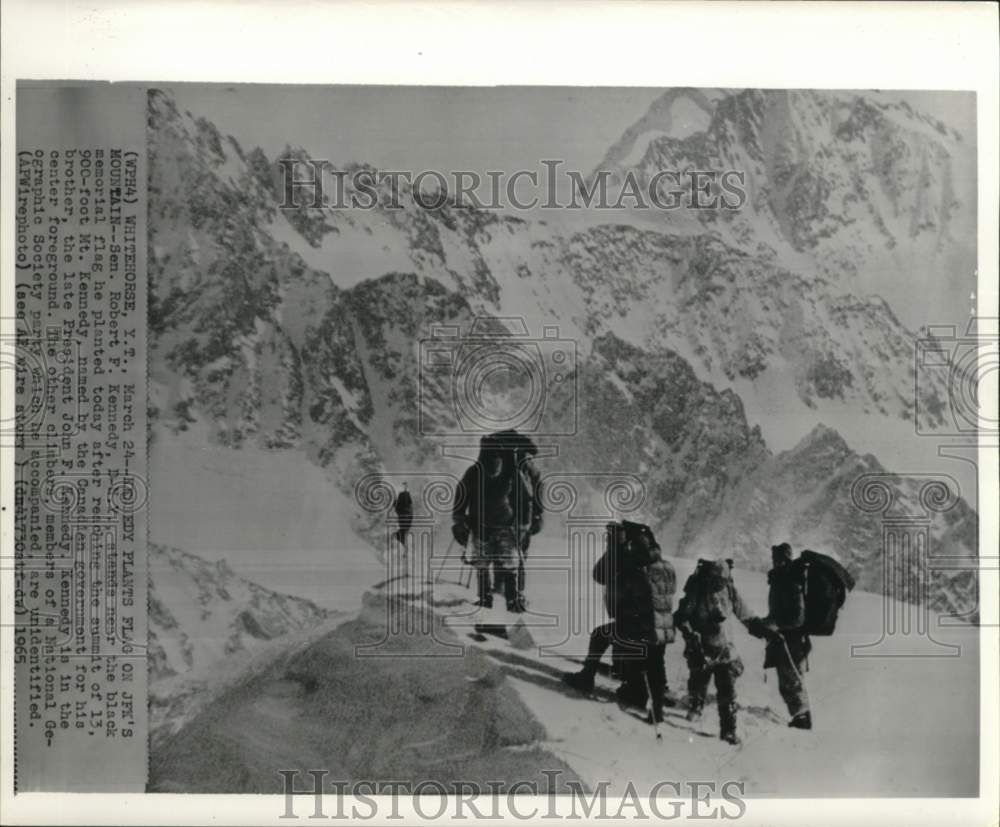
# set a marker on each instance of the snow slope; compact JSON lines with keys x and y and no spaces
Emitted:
{"x":887,"y":726}
{"x":883,"y":726}
{"x":273,"y":518}
{"x":401,"y":716}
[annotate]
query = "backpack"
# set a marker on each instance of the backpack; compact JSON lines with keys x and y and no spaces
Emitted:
{"x":516,"y":487}
{"x":639,"y":533}
{"x":706,"y":601}
{"x":825,"y":584}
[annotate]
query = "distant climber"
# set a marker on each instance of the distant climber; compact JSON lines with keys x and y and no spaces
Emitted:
{"x":404,"y":515}
{"x":703,"y":616}
{"x":498,"y":506}
{"x":639,"y":588}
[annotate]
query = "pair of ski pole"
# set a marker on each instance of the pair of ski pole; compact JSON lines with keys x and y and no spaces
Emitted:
{"x":462,"y":581}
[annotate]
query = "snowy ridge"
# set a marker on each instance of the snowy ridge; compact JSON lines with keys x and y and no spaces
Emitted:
{"x":208,"y":626}
{"x":201,"y":612}
{"x":863,"y":190}
{"x":269,"y":339}
{"x":501,"y":707}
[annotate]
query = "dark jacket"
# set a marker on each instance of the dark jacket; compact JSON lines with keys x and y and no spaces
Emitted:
{"x":639,"y":592}
{"x":707,"y":609}
{"x":404,"y":504}
{"x":511,"y":500}
{"x":786,"y":612}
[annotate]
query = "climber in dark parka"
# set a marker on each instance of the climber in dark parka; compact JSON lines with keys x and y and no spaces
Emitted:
{"x":498,"y":505}
{"x":404,"y":514}
{"x":787,"y":644}
{"x":639,"y":590}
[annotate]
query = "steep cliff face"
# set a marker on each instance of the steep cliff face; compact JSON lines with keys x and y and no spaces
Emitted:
{"x":715,"y":489}
{"x":811,"y":496}
{"x":303,"y":330}
{"x":860,"y":188}
{"x":731,"y":304}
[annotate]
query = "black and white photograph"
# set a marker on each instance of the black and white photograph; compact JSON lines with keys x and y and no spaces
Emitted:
{"x":436,"y":445}
{"x":588,"y":430}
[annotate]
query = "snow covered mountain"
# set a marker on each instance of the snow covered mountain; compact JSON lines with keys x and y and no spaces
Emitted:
{"x":714,"y":488}
{"x":201,"y":612}
{"x":204,"y":622}
{"x":861,"y":188}
{"x":300,"y":330}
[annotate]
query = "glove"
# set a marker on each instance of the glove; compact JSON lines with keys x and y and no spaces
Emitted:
{"x":692,"y":646}
{"x":716,"y":616}
{"x":460,"y":531}
{"x":757,"y":627}
{"x":536,"y":523}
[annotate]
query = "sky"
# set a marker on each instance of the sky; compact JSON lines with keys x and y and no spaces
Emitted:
{"x":416,"y":128}
{"x":448,"y":128}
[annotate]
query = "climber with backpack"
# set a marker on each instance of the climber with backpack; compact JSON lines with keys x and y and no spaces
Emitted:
{"x":498,"y":506}
{"x":639,"y":589}
{"x":804,"y":597}
{"x":644,"y":621}
{"x":703,"y":616}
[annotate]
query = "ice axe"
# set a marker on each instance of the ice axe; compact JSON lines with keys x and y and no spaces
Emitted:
{"x":791,"y":660}
{"x":444,"y":562}
{"x":461,"y":577}
{"x":652,"y":706}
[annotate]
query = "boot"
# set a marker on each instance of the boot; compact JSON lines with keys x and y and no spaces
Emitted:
{"x":582,"y":681}
{"x":669,"y":698}
{"x":630,"y":695}
{"x":727,"y":724}
{"x":801,"y":721}
{"x":515,"y":599}
{"x":694,"y":709}
{"x":517,"y":605}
